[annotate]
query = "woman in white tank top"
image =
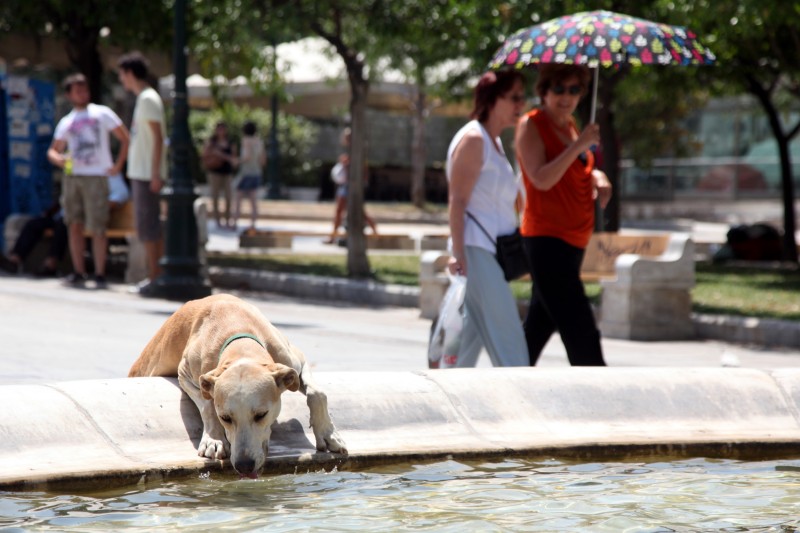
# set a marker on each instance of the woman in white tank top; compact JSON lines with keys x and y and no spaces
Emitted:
{"x":252,"y":159}
{"x":482,"y":183}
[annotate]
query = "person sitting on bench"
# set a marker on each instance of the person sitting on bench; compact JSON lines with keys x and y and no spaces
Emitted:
{"x":53,"y":219}
{"x":32,"y":232}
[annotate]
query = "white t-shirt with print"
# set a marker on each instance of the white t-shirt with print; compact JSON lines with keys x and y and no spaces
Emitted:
{"x":149,"y":108}
{"x":86,"y":132}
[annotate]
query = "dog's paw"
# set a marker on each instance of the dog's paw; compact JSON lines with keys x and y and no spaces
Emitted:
{"x":331,"y":441}
{"x":212,"y":448}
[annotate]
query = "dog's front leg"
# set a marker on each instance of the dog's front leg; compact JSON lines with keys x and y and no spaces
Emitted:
{"x":213,"y":444}
{"x":325,"y":432}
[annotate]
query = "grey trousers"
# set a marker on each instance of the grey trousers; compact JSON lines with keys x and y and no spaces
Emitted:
{"x":491,"y":317}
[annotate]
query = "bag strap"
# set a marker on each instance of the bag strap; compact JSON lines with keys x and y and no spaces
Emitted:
{"x":494,"y":241}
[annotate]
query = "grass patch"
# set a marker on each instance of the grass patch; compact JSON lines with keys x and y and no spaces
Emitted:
{"x":747,"y":291}
{"x":522,"y":291}
{"x":725,"y":290}
{"x":398,"y":269}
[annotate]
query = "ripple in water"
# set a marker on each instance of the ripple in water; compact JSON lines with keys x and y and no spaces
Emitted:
{"x":508,"y":495}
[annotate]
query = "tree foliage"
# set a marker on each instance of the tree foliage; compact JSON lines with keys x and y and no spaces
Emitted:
{"x":758,"y":49}
{"x":757,"y":43}
{"x":85,"y":25}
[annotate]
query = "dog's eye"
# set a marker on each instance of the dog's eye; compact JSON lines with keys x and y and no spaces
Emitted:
{"x":260,"y":416}
{"x":226,"y":418}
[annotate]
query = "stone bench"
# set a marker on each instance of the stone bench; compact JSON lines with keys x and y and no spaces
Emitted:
{"x":650,"y":297}
{"x":599,"y":260}
{"x":272,"y":238}
{"x":646,"y":280}
{"x":121,"y":226}
{"x":284,"y":238}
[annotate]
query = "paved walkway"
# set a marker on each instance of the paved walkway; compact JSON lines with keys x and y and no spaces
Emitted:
{"x":55,"y":333}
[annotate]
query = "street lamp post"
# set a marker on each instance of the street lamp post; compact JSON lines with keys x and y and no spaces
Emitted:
{"x":182,"y":278}
{"x":273,"y":166}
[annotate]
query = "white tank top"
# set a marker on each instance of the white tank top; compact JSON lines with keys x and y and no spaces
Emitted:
{"x":492,"y":199}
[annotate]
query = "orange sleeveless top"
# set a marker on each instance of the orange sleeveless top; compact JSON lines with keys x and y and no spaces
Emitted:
{"x":566,"y":211}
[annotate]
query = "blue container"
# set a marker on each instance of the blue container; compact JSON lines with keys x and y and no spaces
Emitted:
{"x":27,"y":120}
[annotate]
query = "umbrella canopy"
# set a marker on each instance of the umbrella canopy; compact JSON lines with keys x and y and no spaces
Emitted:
{"x":602,"y":38}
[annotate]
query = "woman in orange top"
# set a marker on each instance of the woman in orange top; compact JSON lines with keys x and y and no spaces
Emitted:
{"x":561,"y":185}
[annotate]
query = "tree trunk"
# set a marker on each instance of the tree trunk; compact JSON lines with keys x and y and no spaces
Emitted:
{"x":609,"y":154}
{"x":418,"y":151}
{"x":357,"y":262}
{"x":83,"y":53}
{"x":787,"y":181}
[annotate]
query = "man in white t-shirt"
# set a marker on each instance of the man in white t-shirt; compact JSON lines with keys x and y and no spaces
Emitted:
{"x":81,"y":147}
{"x":147,"y":161}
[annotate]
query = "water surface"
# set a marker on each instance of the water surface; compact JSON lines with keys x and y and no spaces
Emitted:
{"x":510,"y":495}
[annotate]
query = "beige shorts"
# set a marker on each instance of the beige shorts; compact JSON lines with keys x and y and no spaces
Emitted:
{"x":85,"y":201}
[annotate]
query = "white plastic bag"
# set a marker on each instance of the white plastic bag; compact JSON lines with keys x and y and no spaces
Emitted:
{"x":339,"y":174}
{"x":446,"y":329}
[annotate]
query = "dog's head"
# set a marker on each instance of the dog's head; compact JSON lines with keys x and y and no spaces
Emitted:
{"x":247,"y":398}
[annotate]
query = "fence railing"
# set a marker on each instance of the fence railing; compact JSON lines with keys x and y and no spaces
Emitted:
{"x":728,"y":178}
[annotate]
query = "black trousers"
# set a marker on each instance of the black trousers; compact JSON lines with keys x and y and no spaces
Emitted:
{"x":32,"y":232}
{"x":559,"y":302}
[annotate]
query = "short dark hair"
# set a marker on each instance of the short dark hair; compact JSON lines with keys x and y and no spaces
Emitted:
{"x":135,"y":63}
{"x":551,"y":74}
{"x":249,"y":128}
{"x":74,"y":79}
{"x":490,"y":87}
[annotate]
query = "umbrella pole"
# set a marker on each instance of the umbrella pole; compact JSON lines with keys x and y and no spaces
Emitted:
{"x":598,"y":211}
{"x":594,"y":94}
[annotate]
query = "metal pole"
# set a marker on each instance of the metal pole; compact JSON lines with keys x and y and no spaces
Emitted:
{"x":181,"y":278}
{"x":599,"y":223}
{"x":594,"y":94}
{"x":273,"y":168}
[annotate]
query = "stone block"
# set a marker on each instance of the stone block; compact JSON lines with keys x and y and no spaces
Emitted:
{"x":266,"y":239}
{"x":434,"y":242}
{"x":650,"y":297}
{"x":390,"y":242}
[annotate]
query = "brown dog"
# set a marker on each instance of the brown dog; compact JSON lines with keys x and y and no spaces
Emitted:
{"x":234,"y":364}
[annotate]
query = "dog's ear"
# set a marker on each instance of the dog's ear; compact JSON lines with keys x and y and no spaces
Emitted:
{"x":207,"y":385}
{"x":286,"y":378}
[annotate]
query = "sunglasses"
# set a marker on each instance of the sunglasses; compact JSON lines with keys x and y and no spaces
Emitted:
{"x":516,"y":98}
{"x":573,"y":90}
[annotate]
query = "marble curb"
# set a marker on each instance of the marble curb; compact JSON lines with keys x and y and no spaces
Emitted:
{"x":125,"y":431}
{"x":366,"y":292}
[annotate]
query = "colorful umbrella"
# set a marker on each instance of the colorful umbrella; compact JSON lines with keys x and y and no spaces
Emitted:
{"x":595,"y":38}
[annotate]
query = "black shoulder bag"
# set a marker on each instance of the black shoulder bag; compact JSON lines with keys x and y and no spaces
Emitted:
{"x":510,"y":254}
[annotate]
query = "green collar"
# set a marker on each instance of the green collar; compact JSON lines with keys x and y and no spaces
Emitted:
{"x":240,"y":336}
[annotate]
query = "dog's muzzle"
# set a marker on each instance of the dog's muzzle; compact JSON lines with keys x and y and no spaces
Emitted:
{"x":246,"y":468}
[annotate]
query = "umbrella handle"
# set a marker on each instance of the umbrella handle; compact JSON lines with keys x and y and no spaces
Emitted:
{"x":594,"y":94}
